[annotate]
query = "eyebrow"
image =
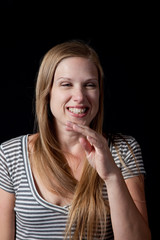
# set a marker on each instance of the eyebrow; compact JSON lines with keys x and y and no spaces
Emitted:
{"x":70,"y":79}
{"x":61,"y":78}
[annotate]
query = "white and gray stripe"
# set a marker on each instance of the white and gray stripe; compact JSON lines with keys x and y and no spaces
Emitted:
{"x":36,"y":219}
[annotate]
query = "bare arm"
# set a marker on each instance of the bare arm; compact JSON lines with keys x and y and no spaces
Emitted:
{"x":7,"y":216}
{"x":129,"y":218}
{"x":136,"y":187}
{"x":127,"y":204}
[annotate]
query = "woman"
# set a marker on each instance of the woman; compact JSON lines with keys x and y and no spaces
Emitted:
{"x":68,"y":181}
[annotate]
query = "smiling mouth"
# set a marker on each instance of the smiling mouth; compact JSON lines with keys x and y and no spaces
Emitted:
{"x":78,"y":110}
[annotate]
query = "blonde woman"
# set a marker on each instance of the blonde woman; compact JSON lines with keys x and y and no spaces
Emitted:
{"x":67,"y":181}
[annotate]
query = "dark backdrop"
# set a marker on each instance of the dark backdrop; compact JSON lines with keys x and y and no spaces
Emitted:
{"x":126,"y":44}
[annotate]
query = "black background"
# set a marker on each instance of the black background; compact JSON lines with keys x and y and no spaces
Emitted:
{"x":125,"y":37}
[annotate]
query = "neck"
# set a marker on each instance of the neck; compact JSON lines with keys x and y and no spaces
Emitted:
{"x":73,"y":150}
{"x":69,"y":141}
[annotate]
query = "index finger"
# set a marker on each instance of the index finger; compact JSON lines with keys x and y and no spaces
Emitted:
{"x":84,"y":130}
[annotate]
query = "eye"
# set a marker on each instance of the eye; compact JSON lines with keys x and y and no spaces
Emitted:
{"x":66,"y":84}
{"x":90,"y":85}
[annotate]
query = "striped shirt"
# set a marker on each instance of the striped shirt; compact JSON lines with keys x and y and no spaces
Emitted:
{"x":36,"y":218}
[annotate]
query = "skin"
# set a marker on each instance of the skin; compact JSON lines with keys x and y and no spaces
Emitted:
{"x":129,"y":216}
{"x":76,"y":85}
{"x":7,"y":216}
{"x":78,"y":138}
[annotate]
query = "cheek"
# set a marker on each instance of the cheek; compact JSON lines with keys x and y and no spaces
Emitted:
{"x":95,"y":98}
{"x":54,"y":101}
{"x":96,"y":105}
{"x":58,"y":100}
{"x":95,"y":102}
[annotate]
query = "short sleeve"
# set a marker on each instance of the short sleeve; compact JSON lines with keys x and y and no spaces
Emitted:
{"x":5,"y":178}
{"x":128,"y":156}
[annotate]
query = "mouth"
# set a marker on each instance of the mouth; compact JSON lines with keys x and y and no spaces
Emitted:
{"x":78,"y":111}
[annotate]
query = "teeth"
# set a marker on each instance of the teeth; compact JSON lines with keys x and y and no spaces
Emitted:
{"x":77,"y":110}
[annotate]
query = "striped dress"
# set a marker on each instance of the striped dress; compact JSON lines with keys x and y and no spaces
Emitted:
{"x":37,"y":219}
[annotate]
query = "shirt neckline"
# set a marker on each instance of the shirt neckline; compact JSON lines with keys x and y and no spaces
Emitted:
{"x":39,"y":199}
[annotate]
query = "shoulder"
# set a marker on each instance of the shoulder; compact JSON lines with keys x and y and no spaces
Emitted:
{"x":127,"y":154}
{"x":12,"y":143}
{"x":11,"y":163}
{"x":120,"y":137}
{"x":123,"y":142}
{"x":12,"y":148}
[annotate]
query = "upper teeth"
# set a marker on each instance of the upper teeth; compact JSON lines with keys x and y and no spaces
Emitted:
{"x":77,"y":110}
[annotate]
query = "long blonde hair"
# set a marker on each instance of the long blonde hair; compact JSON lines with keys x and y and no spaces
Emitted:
{"x":88,"y":209}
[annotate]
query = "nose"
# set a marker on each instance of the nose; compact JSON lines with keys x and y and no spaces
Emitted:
{"x":78,"y":95}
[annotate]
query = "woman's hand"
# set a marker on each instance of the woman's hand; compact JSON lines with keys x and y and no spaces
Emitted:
{"x":96,"y":149}
{"x":121,"y":202}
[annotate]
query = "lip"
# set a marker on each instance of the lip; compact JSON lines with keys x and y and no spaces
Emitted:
{"x":78,"y":115}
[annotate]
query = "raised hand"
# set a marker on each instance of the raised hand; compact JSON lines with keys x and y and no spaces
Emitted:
{"x":96,"y":149}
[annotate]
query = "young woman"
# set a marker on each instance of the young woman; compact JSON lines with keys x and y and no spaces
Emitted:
{"x":67,"y":181}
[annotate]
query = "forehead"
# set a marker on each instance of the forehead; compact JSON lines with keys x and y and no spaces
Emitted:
{"x":76,"y":65}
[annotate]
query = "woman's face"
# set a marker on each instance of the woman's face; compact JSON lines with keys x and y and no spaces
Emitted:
{"x":75,"y":92}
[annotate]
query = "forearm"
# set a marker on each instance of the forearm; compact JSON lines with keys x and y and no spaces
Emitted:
{"x":127,"y":221}
{"x":7,"y":223}
{"x":7,"y":227}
